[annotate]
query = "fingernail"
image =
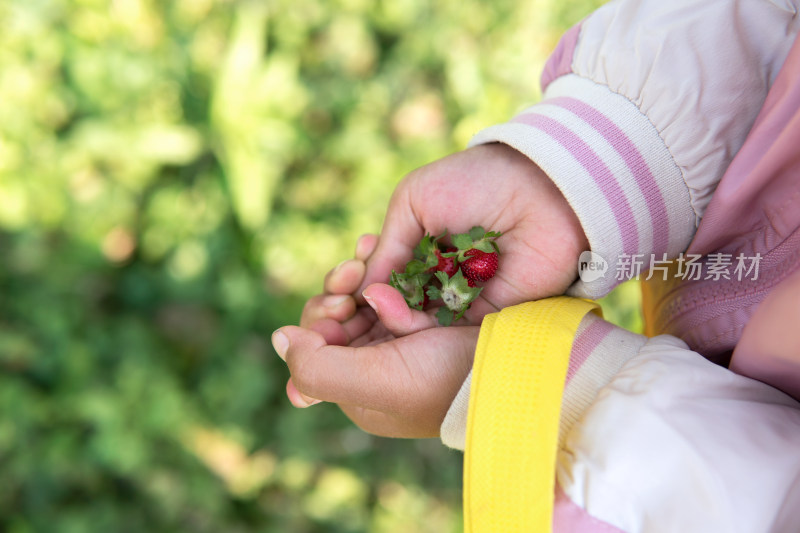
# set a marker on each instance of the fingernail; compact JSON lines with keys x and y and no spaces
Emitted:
{"x":309,"y":401}
{"x":333,"y":301}
{"x":370,"y":302}
{"x":281,"y":343}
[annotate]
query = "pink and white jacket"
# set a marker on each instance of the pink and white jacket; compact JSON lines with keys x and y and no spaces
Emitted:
{"x":673,"y":127}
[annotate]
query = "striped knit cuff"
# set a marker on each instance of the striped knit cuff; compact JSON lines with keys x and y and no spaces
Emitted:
{"x":598,"y":352}
{"x":615,"y":171}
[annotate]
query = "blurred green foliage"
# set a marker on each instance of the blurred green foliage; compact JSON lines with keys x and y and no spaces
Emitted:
{"x":175,"y":179}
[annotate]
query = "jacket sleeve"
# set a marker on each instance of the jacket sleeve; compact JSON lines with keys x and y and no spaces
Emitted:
{"x":653,"y":437}
{"x":673,"y":442}
{"x":645,"y":104}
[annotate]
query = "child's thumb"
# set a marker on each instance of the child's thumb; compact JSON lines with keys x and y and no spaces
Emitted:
{"x":394,"y":313}
{"x":399,"y":236}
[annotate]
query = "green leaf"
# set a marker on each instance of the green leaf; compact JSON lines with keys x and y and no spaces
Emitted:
{"x":477,"y":233}
{"x":395,"y":282}
{"x":424,"y":249}
{"x":415,"y":266}
{"x":462,"y":241}
{"x":445,"y":316}
{"x":434,"y":293}
{"x":485,"y":246}
{"x":442,"y":277}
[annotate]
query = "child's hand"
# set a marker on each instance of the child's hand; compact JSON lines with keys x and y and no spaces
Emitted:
{"x":389,"y":367}
{"x":496,"y":187}
{"x":391,"y":379}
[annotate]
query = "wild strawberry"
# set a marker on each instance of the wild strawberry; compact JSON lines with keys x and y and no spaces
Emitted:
{"x":446,"y":264}
{"x":479,"y":266}
{"x":449,"y":274}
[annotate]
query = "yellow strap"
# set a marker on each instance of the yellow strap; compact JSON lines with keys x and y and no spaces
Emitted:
{"x":515,"y":403}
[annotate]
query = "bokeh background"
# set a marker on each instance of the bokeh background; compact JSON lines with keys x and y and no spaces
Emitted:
{"x":175,"y":179}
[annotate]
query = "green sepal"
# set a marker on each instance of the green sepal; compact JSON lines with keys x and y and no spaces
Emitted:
{"x":485,"y":246}
{"x":477,"y":232}
{"x":483,"y":241}
{"x":462,"y":241}
{"x":424,"y":248}
{"x":445,"y":316}
{"x":425,"y":251}
{"x":412,"y":287}
{"x":415,"y":267}
{"x":433,"y":293}
{"x":442,"y":276}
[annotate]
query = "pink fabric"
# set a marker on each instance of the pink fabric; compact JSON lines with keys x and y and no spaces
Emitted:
{"x":597,"y":169}
{"x":633,"y":160}
{"x":568,"y":517}
{"x":560,"y":61}
{"x":585,"y":343}
{"x":755,"y":210}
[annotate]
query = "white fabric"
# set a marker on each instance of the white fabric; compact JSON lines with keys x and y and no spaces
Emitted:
{"x":602,"y":364}
{"x":453,"y":430}
{"x":676,"y":443}
{"x":699,"y":69}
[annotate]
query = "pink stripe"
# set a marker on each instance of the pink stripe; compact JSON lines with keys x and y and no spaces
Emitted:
{"x":633,"y":159}
{"x":585,"y":344}
{"x":603,"y":177}
{"x":560,"y":61}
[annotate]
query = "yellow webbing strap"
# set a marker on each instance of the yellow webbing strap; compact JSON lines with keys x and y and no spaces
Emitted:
{"x":515,"y":403}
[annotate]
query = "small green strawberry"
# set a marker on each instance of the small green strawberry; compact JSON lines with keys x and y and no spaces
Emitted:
{"x":456,"y":294}
{"x":411,"y":286}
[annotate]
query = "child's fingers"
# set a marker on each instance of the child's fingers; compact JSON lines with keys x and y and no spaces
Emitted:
{"x":358,"y":325}
{"x":339,"y":374}
{"x":339,"y":307}
{"x":297,"y":398}
{"x":349,"y":332}
{"x":365,"y":246}
{"x":394,"y":313}
{"x":332,"y":331}
{"x":345,"y":278}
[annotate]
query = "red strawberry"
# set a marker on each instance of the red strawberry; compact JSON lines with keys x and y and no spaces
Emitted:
{"x":479,"y":266}
{"x":446,"y":264}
